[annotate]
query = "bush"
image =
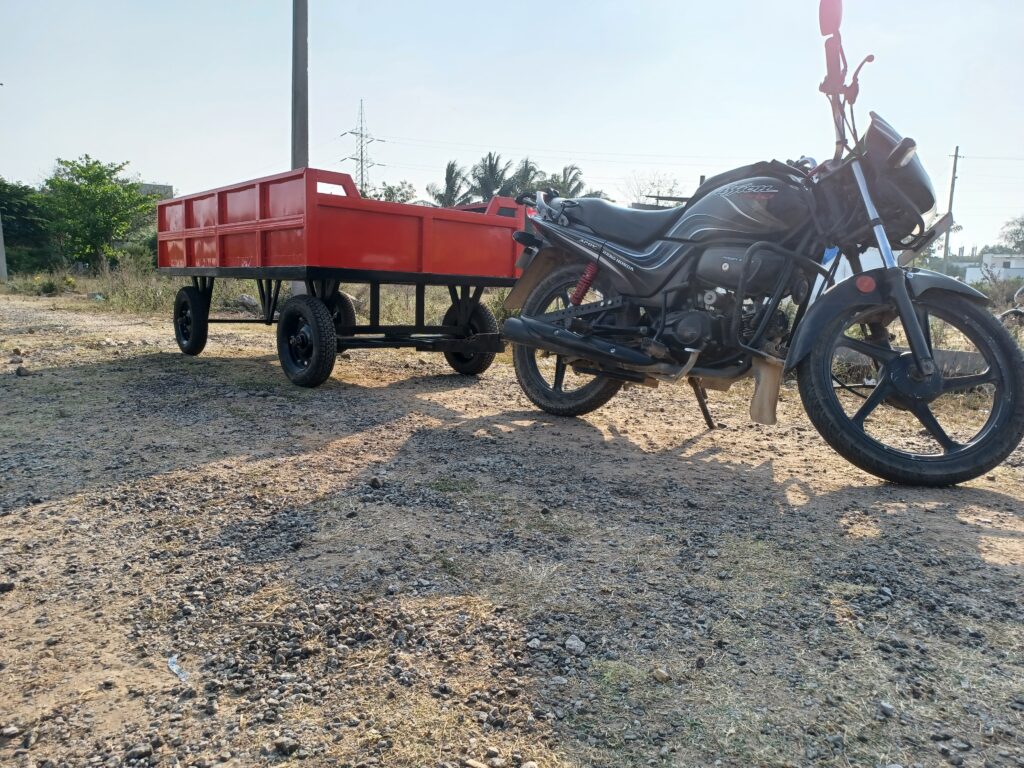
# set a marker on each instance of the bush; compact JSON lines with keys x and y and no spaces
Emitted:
{"x":1000,"y":290}
{"x":30,"y":259}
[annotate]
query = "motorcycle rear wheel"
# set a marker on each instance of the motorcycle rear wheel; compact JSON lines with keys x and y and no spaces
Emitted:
{"x":872,"y":407}
{"x":547,"y":379}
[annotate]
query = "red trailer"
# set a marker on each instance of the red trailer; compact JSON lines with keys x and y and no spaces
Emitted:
{"x":313,"y":226}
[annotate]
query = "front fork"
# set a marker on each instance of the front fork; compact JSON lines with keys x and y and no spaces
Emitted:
{"x":896,"y":281}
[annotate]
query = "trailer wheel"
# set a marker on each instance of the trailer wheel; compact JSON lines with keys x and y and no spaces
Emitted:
{"x":343,"y":312}
{"x":191,"y":320}
{"x":480,"y":321}
{"x":306,"y":341}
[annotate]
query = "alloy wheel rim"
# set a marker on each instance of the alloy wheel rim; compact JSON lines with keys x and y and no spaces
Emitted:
{"x":898,"y":386}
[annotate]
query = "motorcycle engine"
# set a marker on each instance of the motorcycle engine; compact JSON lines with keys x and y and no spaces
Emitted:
{"x":708,"y":324}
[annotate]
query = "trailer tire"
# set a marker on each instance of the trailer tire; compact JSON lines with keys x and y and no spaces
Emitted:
{"x":191,"y":320}
{"x":343,"y":312}
{"x":306,"y":342}
{"x":481,"y":320}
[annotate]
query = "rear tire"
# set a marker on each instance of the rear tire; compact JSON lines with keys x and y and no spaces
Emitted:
{"x":545,"y":396}
{"x":306,"y":342}
{"x":343,"y":313}
{"x":481,"y":320}
{"x":191,"y":320}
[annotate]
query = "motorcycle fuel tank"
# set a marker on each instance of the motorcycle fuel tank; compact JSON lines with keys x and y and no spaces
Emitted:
{"x":761,"y":207}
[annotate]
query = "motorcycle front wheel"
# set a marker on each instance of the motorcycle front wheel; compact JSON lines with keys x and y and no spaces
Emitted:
{"x":863,"y":393}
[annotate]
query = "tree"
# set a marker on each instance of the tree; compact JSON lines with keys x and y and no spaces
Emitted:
{"x":489,"y":176}
{"x":1013,"y":234}
{"x":402,"y":192}
{"x":639,"y":186}
{"x":526,"y":178}
{"x":26,"y":228}
{"x":569,"y":182}
{"x":90,"y":205}
{"x":995,"y":249}
{"x":456,"y":187}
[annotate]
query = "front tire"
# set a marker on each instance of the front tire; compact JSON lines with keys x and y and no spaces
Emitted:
{"x":558,"y":396}
{"x":306,"y":342}
{"x":872,"y":407}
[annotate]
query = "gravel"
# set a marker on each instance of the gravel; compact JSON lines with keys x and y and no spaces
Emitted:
{"x":405,"y":567}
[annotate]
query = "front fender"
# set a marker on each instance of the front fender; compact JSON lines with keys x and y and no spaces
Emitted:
{"x":845,"y":295}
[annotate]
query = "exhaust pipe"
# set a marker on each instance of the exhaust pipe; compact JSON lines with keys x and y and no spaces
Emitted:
{"x":559,"y":341}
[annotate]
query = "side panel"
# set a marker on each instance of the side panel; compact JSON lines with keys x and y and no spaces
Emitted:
{"x":360,"y":239}
{"x":469,"y":249}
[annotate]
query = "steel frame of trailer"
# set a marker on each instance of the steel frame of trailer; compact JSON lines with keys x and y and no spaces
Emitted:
{"x":465,"y":292}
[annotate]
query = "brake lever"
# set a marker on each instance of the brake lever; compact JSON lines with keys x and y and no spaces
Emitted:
{"x":853,"y":89}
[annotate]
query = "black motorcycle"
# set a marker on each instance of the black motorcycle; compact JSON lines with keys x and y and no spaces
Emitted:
{"x":905,"y":372}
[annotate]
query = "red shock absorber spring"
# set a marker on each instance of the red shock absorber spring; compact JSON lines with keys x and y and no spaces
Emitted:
{"x":584,"y":283}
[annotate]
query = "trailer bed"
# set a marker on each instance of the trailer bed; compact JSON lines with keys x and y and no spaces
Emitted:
{"x":310,"y":223}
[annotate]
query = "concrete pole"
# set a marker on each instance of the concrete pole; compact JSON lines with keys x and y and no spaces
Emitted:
{"x":300,"y":84}
{"x":300,"y":96}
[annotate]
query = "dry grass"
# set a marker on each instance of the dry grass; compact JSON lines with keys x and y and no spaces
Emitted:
{"x":131,"y":290}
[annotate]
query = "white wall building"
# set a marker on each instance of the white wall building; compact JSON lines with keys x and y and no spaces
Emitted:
{"x":1003,"y":265}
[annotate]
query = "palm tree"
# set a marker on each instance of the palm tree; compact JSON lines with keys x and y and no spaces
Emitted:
{"x":489,"y":176}
{"x":455,"y":191}
{"x":527,"y":177}
{"x":569,"y":182}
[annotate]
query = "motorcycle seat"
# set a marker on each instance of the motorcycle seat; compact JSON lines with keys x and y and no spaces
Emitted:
{"x":626,"y":226}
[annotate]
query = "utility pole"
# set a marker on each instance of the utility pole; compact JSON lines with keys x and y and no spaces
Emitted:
{"x":952,"y":189}
{"x":362,"y":157}
{"x":300,"y":84}
{"x":300,"y":96}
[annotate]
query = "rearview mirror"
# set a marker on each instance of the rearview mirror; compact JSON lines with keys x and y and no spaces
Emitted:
{"x":830,"y":16}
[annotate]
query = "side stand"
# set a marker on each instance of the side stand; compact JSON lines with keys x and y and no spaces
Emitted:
{"x":702,"y":401}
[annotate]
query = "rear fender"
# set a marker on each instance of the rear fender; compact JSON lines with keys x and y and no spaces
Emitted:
{"x":539,"y":267}
{"x":842,"y":296}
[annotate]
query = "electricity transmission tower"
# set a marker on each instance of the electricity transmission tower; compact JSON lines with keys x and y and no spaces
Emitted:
{"x":361,"y":156}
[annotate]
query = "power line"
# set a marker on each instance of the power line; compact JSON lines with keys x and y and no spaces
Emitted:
{"x":992,"y":157}
{"x":532,"y":151}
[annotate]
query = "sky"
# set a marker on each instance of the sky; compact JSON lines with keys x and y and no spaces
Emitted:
{"x":197,"y":94}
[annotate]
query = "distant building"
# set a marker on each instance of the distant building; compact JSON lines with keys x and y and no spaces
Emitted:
{"x":162,"y":191}
{"x":1002,"y":265}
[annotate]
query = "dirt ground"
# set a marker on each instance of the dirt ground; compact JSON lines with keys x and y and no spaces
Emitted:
{"x":405,"y":567}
